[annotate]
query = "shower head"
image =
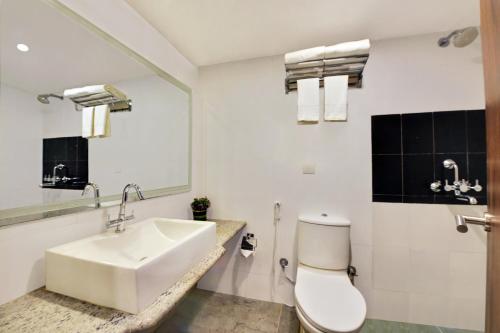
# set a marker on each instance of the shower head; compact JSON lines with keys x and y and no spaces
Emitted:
{"x":44,"y":98}
{"x":460,"y":38}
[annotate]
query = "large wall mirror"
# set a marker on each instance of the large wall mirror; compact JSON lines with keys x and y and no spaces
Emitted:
{"x":47,"y":153}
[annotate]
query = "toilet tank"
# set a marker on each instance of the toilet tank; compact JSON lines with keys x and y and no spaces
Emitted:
{"x":324,"y":241}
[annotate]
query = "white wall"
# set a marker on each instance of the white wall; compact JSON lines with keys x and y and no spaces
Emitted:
{"x":22,"y":246}
{"x":255,"y":152}
{"x":20,"y":147}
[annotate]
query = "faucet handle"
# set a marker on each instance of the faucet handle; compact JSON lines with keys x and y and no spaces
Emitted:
{"x":477,"y":187}
{"x":447,"y":186}
{"x":435,"y":186}
{"x":464,"y":186}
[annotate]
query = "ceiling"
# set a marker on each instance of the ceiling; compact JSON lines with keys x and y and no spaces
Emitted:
{"x":215,"y":31}
{"x":63,"y":54}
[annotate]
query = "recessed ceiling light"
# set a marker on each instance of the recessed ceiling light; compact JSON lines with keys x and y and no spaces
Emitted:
{"x":23,"y":47}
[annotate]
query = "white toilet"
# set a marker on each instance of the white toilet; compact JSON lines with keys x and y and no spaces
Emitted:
{"x":325,"y":299}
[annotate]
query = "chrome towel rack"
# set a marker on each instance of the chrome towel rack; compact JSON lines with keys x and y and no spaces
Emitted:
{"x":353,"y":66}
{"x":116,"y":104}
{"x":95,"y":95}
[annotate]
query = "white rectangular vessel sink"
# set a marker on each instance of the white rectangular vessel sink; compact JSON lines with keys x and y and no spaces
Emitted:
{"x":129,"y":270}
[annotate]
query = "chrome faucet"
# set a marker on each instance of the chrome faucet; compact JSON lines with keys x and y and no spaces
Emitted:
{"x":54,"y":173}
{"x":97,"y":197}
{"x":119,"y":223}
{"x":459,"y":186}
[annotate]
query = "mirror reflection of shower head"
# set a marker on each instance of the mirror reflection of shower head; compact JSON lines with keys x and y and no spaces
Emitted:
{"x":44,"y":98}
{"x":460,"y":38}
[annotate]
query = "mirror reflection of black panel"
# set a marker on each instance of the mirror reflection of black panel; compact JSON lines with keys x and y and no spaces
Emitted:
{"x":65,"y":163}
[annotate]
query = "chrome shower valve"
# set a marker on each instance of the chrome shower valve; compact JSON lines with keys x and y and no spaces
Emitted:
{"x":459,"y":186}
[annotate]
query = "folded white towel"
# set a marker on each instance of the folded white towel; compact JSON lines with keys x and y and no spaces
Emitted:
{"x":344,"y":68}
{"x":336,"y":97}
{"x":88,"y":122}
{"x":308,"y":99}
{"x":314,"y":53}
{"x":101,"y":121}
{"x":305,"y":64}
{"x":310,"y":70}
{"x":342,"y":61}
{"x":96,"y":89}
{"x":348,"y":49}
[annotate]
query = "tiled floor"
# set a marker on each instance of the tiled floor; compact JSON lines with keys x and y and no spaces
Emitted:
{"x":208,"y":312}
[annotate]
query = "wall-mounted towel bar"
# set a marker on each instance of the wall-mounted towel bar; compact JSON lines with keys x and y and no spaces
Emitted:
{"x":99,"y":95}
{"x":347,"y":58}
{"x":352,"y":66}
{"x":115,"y":104}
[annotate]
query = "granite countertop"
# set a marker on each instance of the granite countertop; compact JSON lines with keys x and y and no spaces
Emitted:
{"x":44,"y":311}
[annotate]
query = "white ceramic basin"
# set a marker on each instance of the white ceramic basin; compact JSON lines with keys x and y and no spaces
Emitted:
{"x":129,"y":270}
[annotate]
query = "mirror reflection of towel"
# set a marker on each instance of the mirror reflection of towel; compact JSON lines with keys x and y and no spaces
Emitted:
{"x":102,"y":126}
{"x":88,"y":122}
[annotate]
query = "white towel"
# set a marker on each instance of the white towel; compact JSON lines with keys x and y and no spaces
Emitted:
{"x":88,"y":122}
{"x":348,"y":49}
{"x":342,"y":61}
{"x":306,"y":64}
{"x":308,"y":99}
{"x":336,"y":97}
{"x":102,"y":124}
{"x":314,"y":53}
{"x":97,"y":89}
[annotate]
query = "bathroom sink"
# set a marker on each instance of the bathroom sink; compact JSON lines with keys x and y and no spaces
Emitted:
{"x":129,"y":270}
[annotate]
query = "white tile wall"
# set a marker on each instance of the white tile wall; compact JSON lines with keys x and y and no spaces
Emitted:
{"x":428,"y":309}
{"x":391,"y":268}
{"x":468,"y":275}
{"x":429,"y":272}
{"x":390,"y":305}
{"x":391,"y":225}
{"x":443,"y":267}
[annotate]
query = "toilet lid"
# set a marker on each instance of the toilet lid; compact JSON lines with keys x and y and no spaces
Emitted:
{"x":329,"y":300}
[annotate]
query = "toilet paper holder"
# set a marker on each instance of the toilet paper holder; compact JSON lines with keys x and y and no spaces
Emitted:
{"x":248,"y":245}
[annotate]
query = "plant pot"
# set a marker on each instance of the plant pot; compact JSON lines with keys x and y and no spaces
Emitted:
{"x":200,"y":215}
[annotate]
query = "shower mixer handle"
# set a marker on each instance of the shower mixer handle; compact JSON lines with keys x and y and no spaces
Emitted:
{"x":477,"y":187}
{"x":436,"y":186}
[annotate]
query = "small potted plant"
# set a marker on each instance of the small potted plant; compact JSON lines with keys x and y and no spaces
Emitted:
{"x":200,"y":206}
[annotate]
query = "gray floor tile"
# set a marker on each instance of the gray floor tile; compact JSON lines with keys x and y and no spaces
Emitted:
{"x":383,"y":326}
{"x":289,"y":323}
{"x":456,"y":330}
{"x":208,"y":312}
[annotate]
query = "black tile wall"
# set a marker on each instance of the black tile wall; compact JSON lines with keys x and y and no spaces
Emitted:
{"x":417,"y":133}
{"x":476,"y":131}
{"x":387,"y":167}
{"x":386,"y":134}
{"x":73,"y":153}
{"x":408,"y":151}
{"x":450,"y":132}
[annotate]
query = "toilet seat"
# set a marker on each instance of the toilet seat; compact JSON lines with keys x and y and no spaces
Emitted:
{"x":328,"y":301}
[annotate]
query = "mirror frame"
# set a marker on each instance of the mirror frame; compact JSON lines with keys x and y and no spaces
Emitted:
{"x":16,"y":215}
